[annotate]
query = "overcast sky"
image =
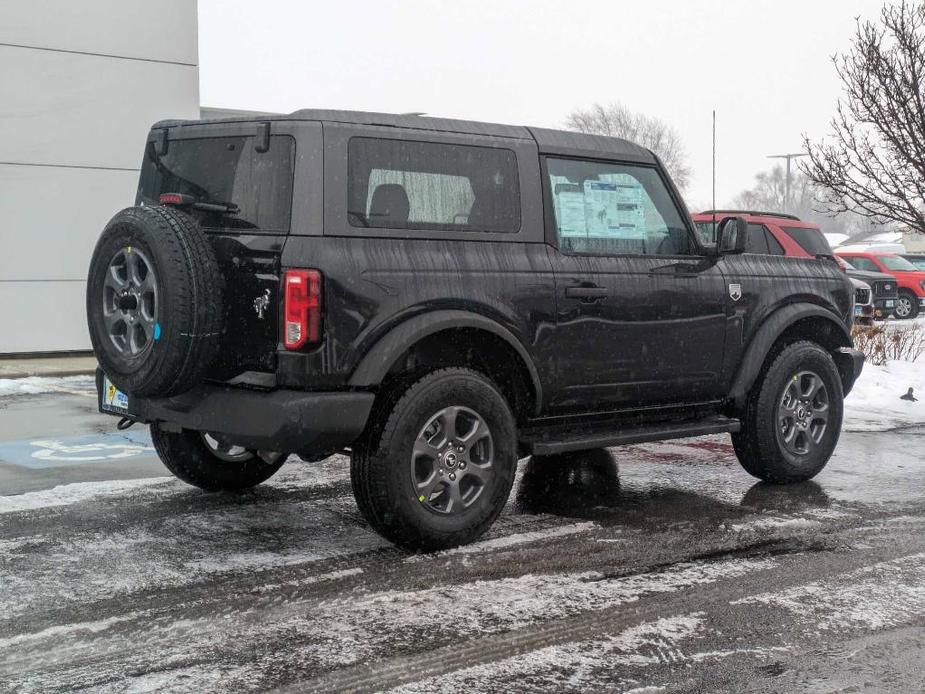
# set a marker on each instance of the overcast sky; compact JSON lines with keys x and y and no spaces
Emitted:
{"x":763,"y":65}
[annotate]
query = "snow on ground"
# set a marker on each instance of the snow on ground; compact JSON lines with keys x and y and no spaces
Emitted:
{"x":67,"y":494}
{"x":35,"y":385}
{"x":875,"y":405}
{"x":878,"y":596}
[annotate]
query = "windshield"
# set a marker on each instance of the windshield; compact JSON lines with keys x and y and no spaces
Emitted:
{"x":225,"y":170}
{"x":918,"y":262}
{"x":894,"y":262}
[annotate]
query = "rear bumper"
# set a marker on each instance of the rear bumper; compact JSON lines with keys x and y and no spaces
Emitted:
{"x":279,"y":420}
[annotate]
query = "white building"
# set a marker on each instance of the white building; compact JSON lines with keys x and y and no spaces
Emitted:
{"x":81,"y":81}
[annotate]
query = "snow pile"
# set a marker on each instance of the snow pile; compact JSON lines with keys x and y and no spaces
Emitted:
{"x":875,"y":405}
{"x":35,"y":385}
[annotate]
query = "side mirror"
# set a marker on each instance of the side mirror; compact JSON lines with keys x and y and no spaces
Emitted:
{"x":731,"y":235}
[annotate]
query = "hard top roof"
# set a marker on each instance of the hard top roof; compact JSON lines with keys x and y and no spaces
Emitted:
{"x":549,"y":141}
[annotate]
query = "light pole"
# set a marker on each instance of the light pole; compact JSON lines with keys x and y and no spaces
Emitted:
{"x":788,"y":157}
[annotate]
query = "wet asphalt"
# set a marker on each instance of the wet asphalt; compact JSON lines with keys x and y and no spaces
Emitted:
{"x":651,"y":568}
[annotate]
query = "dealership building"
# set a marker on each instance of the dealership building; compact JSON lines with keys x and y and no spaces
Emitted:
{"x":80,"y":84}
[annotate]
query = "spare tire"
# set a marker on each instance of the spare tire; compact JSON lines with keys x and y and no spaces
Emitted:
{"x":154,"y":301}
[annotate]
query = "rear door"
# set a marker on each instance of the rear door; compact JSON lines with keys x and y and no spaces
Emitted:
{"x":640,"y":316}
{"x":234,"y":163}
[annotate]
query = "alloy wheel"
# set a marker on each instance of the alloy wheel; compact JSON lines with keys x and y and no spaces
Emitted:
{"x":225,"y":451}
{"x":803,"y":413}
{"x":130,"y":300}
{"x":903,"y":307}
{"x":231,"y":453}
{"x":451,"y":460}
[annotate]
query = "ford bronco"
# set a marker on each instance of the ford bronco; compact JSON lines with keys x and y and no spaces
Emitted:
{"x":442,"y":298}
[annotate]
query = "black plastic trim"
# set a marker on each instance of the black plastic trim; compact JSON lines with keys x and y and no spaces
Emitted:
{"x":632,"y":434}
{"x":278,"y":420}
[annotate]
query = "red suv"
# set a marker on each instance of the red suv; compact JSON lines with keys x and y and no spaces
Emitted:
{"x":776,"y":233}
{"x":910,"y":279}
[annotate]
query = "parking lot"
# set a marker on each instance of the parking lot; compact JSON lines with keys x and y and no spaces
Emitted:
{"x":659,"y":567}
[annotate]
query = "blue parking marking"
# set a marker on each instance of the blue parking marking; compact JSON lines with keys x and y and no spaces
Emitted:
{"x":49,"y":452}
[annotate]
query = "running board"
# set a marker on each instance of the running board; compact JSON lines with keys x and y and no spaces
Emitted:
{"x":554,"y":439}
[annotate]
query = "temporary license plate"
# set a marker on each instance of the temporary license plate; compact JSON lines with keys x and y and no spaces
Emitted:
{"x":888,"y":303}
{"x":858,"y":310}
{"x":112,"y":399}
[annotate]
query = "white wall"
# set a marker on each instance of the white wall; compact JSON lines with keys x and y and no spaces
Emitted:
{"x":80,"y":84}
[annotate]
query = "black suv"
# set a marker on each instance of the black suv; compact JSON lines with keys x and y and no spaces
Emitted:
{"x":442,"y":298}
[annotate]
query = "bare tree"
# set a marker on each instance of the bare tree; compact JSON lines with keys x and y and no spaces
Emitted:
{"x":615,"y":120}
{"x":874,"y":161}
{"x":769,"y":194}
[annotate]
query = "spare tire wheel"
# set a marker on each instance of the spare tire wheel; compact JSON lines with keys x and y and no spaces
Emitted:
{"x":154,"y":301}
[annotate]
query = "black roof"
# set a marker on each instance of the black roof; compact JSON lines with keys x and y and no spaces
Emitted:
{"x":549,"y":141}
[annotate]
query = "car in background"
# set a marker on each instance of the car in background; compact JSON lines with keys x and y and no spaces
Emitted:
{"x":910,"y":279}
{"x":776,"y":233}
{"x":884,"y":288}
{"x":917,"y":259}
{"x":863,"y":302}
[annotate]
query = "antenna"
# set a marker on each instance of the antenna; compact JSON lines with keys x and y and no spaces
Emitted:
{"x":713,"y":206}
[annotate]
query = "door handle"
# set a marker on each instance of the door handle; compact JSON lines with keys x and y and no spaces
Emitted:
{"x":591,"y":293}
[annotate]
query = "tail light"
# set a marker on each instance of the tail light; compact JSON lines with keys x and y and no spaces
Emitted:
{"x":301,"y":308}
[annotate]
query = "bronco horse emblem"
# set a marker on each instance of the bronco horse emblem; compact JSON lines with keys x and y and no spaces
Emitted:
{"x":261,"y":303}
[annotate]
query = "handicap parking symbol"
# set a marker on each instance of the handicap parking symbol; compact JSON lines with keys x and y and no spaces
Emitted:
{"x":75,"y":450}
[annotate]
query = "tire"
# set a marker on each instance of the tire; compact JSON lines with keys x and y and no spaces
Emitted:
{"x":907,"y":305}
{"x":762,"y":445}
{"x":156,"y":331}
{"x":190,"y":457}
{"x":386,"y":474}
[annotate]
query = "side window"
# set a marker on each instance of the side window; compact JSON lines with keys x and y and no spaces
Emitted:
{"x":756,"y":242}
{"x":397,"y":184}
{"x":774,"y":247}
{"x":603,"y":208}
{"x":863,"y":264}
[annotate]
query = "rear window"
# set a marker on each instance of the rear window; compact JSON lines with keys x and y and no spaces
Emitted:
{"x":396,"y":184}
{"x":226,"y":170}
{"x":810,"y":240}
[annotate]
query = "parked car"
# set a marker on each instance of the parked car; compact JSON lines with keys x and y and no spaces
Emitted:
{"x":917,"y":259}
{"x":884,"y":288}
{"x":441,"y":298}
{"x":863,"y":304}
{"x":783,"y":234}
{"x":911,"y":281}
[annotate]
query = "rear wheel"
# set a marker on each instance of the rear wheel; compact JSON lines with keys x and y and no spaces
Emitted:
{"x":907,"y":305}
{"x":208,"y":462}
{"x":436,"y":467}
{"x":793,"y":418}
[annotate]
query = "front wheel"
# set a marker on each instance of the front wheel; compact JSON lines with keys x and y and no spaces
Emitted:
{"x":207,"y":462}
{"x":907,"y":305}
{"x":436,"y":467}
{"x":793,"y":418}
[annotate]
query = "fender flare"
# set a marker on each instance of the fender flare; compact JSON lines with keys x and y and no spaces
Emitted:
{"x":377,"y":362}
{"x":769,"y":332}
